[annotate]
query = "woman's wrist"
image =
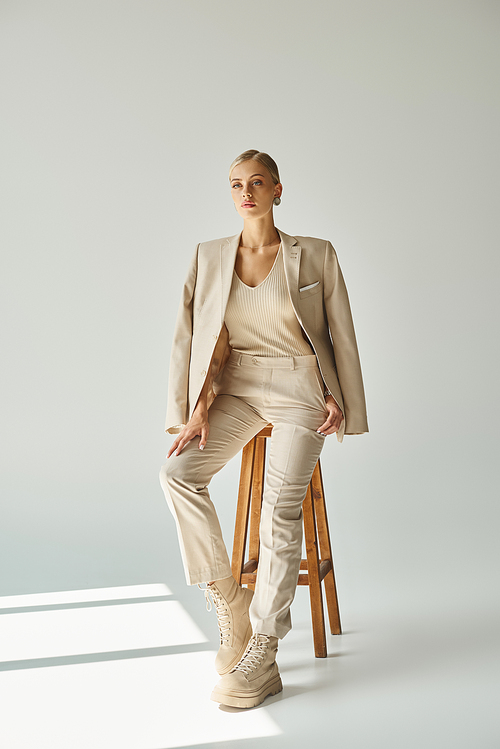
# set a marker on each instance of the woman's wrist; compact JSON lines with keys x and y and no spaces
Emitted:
{"x":201,"y":406}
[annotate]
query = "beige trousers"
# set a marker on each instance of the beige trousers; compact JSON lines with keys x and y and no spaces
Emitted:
{"x":253,"y":391}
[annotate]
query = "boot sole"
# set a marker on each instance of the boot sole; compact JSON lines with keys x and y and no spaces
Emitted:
{"x":247,"y":699}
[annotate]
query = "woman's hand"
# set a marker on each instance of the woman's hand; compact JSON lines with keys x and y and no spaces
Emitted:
{"x":335,"y":417}
{"x":197,"y":425}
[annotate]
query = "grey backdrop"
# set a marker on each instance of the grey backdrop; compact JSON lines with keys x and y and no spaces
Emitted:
{"x":119,"y":122}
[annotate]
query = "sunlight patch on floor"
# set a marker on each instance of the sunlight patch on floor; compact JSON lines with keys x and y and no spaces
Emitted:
{"x":83,"y":596}
{"x":140,"y":702}
{"x":100,"y":629}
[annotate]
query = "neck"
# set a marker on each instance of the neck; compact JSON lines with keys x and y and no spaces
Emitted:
{"x":259,"y":233}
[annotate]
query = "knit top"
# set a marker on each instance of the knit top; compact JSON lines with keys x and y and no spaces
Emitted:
{"x":261,"y":320}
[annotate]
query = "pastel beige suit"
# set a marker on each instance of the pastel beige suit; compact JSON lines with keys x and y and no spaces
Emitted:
{"x":322,"y":309}
{"x":246,"y":392}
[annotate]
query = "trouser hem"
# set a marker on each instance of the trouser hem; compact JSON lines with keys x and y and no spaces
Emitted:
{"x":208,"y":574}
{"x":265,"y":627}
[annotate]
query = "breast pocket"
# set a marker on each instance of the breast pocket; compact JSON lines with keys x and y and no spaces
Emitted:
{"x":309,"y":289}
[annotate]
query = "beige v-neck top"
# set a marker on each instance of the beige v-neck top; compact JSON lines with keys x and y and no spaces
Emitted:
{"x":260,"y":319}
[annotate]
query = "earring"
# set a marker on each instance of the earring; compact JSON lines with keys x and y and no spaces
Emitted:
{"x":277,"y":201}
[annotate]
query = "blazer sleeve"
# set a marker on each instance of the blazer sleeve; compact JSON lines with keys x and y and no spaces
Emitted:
{"x":345,"y":348}
{"x":180,"y":355}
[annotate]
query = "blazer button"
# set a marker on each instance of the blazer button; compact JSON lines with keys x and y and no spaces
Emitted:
{"x":203,"y":373}
{"x":215,"y":337}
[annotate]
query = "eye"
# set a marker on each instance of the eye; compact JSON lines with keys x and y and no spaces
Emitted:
{"x":236,"y":184}
{"x":256,"y":182}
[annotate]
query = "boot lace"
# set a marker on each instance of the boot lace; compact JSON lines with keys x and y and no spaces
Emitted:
{"x":254,"y":654}
{"x":223,"y":618}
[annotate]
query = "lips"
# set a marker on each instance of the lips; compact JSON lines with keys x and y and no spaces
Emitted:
{"x":247,"y":205}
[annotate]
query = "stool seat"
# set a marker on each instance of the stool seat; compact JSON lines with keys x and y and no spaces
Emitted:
{"x":317,"y":568}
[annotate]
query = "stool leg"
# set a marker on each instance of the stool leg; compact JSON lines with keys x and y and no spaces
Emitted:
{"x":326,"y":550}
{"x":256,"y":502}
{"x":242,"y":510}
{"x":317,"y":614}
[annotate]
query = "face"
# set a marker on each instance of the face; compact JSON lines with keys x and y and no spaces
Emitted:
{"x":252,"y":189}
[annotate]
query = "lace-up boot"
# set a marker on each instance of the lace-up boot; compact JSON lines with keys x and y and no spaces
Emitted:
{"x":231,"y":604}
{"x":254,"y":678}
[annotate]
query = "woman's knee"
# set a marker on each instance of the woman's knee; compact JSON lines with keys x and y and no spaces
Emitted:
{"x":169,"y":471}
{"x":177,"y":468}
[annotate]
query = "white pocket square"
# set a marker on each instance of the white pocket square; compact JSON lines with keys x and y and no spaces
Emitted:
{"x":311,"y":285}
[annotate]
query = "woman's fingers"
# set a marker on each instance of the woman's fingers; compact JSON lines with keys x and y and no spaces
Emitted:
{"x":186,"y":436}
{"x":183,"y":442}
{"x":335,"y":426}
{"x":180,"y":441}
{"x":332,"y":423}
{"x":173,"y":446}
{"x":327,"y":428}
{"x":203,"y":438}
{"x":180,"y":446}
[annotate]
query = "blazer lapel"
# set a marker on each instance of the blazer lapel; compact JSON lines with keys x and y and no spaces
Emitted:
{"x":228,"y":250}
{"x":291,"y":261}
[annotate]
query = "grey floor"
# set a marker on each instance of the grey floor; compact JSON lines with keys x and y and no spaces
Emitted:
{"x":132,"y":667}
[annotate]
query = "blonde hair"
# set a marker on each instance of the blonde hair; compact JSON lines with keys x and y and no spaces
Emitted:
{"x":262,"y":158}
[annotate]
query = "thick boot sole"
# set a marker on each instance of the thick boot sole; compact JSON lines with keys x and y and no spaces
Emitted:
{"x":247,"y":699}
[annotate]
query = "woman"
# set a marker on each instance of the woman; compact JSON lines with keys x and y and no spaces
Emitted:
{"x":264,"y":334}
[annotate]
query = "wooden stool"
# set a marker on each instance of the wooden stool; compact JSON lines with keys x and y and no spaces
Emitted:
{"x":318,"y":567}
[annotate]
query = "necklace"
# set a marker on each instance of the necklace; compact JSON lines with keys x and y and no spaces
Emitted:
{"x":260,"y":247}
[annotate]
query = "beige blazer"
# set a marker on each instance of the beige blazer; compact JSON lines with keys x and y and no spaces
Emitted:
{"x":319,"y":299}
